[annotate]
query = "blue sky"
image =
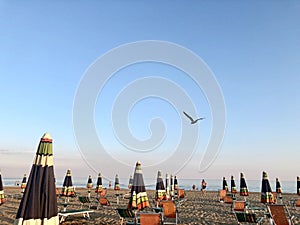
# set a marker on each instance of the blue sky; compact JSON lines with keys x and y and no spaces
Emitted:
{"x":252,"y":48}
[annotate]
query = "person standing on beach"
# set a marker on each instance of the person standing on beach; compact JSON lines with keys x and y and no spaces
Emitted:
{"x":203,"y":186}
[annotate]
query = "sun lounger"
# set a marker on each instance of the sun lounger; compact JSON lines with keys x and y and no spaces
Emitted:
{"x":239,"y":206}
{"x":103,"y":201}
{"x":222,"y":195}
{"x":85,"y":200}
{"x":247,"y":218}
{"x":170,"y":213}
{"x":150,"y":219}
{"x":279,"y":214}
{"x":64,"y":215}
{"x":127,"y":216}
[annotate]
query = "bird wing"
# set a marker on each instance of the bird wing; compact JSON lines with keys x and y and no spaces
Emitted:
{"x":188,"y":116}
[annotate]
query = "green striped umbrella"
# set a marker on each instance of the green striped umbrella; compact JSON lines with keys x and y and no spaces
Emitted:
{"x":117,"y":183}
{"x":68,"y":189}
{"x":130,"y":182}
{"x":225,"y":186}
{"x":23,"y":184}
{"x":266,"y":191}
{"x":243,"y":186}
{"x":38,"y":204}
{"x":160,"y":188}
{"x":232,"y":185}
{"x":99,"y":184}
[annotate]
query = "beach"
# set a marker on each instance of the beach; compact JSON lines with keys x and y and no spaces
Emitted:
{"x":198,"y":208}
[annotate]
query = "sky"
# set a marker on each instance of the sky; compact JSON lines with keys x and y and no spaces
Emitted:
{"x":250,"y":49}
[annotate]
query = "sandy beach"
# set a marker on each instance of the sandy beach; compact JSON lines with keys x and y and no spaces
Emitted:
{"x":197,"y":209}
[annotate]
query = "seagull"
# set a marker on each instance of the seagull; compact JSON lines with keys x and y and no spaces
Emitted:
{"x":192,"y":120}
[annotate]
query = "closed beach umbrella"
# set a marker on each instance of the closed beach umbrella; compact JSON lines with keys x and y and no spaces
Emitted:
{"x":278,"y":187}
{"x":68,"y":189}
{"x":167,"y":186}
{"x":225,"y":186}
{"x":298,"y":185}
{"x":38,"y":204}
{"x":117,"y":183}
{"x":99,"y":184}
{"x":243,"y":186}
{"x":266,"y":191}
{"x":130,"y":182}
{"x":232,"y":185}
{"x":138,"y":198}
{"x":89,"y":185}
{"x":23,"y":184}
{"x":175,"y":183}
{"x":89,"y":182}
{"x":160,"y":188}
{"x":2,"y":197}
{"x":172,"y":185}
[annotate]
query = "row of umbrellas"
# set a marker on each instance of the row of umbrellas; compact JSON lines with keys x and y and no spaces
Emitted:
{"x":266,"y":191}
{"x":39,"y":202}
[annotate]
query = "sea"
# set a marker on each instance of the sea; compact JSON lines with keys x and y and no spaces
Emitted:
{"x":150,"y":183}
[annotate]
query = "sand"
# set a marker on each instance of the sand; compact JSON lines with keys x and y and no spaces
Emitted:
{"x":196,"y":209}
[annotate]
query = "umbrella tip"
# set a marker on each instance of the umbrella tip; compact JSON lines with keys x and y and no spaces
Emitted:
{"x":47,"y":136}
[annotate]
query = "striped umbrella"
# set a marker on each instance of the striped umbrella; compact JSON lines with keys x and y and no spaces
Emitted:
{"x":160,"y":188}
{"x":138,"y":198}
{"x":298,"y":185}
{"x":68,"y":189}
{"x":117,"y":183}
{"x":130,"y":182}
{"x":99,"y":184}
{"x":175,"y":183}
{"x":89,"y":185}
{"x":243,"y":186}
{"x":38,"y":204}
{"x":89,"y":182}
{"x":172,"y":186}
{"x":167,"y":186}
{"x":266,"y":191}
{"x":232,"y":185}
{"x":2,"y":197}
{"x":278,"y":187}
{"x":23,"y":184}
{"x":225,"y":186}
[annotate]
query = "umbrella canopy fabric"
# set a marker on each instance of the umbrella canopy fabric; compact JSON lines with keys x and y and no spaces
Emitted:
{"x":138,"y":199}
{"x":266,"y":191}
{"x":243,"y":186}
{"x":130,"y":182}
{"x":68,"y":189}
{"x":278,"y":186}
{"x":232,"y":185}
{"x":89,"y":182}
{"x":38,"y":204}
{"x":2,"y":197}
{"x":160,"y":188}
{"x":225,"y":186}
{"x":99,"y":184}
{"x":298,"y":185}
{"x":175,"y":183}
{"x":117,"y":183}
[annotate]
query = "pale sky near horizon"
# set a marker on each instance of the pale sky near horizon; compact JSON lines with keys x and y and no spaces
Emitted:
{"x":252,"y":48}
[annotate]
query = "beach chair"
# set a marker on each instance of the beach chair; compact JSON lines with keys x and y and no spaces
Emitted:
{"x":84,"y":200}
{"x":228,"y":199}
{"x":150,"y":219}
{"x":65,"y":214}
{"x":127,"y":216}
{"x":222,"y":195}
{"x":279,"y":214}
{"x":103,"y":201}
{"x":103,"y":193}
{"x":247,"y":217}
{"x":239,"y":206}
{"x":298,"y":203}
{"x":170,"y":213}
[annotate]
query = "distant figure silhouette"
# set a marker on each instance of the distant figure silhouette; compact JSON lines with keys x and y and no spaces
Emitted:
{"x":192,"y":120}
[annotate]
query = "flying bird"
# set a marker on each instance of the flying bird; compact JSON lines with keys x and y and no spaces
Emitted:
{"x":191,"y":119}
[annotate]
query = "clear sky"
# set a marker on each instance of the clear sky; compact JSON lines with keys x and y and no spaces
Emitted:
{"x":251,"y":47}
